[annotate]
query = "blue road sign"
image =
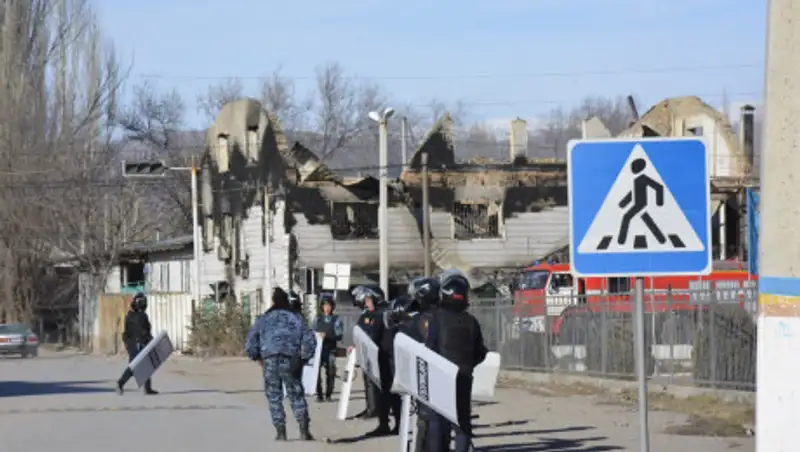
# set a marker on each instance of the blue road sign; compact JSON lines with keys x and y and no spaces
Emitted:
{"x":639,"y":207}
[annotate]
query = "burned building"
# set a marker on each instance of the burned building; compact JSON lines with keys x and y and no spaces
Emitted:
{"x":266,"y":205}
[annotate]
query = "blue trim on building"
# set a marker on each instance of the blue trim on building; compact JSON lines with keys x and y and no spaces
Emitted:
{"x":776,"y":285}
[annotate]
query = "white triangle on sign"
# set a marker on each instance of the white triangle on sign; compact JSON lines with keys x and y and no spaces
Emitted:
{"x":676,"y":233}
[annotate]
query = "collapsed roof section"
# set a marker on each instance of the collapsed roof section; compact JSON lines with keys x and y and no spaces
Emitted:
{"x":667,"y":118}
{"x":438,"y":144}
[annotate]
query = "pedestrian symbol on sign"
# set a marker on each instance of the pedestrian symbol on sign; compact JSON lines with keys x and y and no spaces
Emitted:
{"x":630,"y":216}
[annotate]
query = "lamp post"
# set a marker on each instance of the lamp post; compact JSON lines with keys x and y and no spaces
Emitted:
{"x":383,"y":171}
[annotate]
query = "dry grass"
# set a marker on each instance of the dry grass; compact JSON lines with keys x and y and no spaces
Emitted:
{"x":551,"y":389}
{"x":707,"y":415}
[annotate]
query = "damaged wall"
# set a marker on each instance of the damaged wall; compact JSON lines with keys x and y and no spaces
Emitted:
{"x":483,"y":216}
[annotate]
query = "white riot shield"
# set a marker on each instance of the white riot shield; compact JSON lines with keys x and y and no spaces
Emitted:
{"x":150,"y":358}
{"x":484,"y":377}
{"x":347,"y":385}
{"x":367,"y":352}
{"x":426,"y":376}
{"x":311,"y":370}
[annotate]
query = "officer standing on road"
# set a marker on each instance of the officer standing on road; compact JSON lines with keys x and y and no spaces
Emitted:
{"x":136,"y":336}
{"x":332,"y":329}
{"x":414,"y":320}
{"x":455,"y":335}
{"x":370,"y":300}
{"x":282,"y":342}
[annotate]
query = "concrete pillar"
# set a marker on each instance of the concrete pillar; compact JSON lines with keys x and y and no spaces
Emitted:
{"x":778,"y":397}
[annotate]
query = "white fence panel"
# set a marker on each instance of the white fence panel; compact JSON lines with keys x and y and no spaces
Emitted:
{"x":171,"y":312}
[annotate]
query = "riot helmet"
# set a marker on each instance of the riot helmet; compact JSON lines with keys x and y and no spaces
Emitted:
{"x":400,"y":309}
{"x":425,"y":291}
{"x":362,"y":293}
{"x":139,"y":302}
{"x":454,"y":289}
{"x":404,"y":303}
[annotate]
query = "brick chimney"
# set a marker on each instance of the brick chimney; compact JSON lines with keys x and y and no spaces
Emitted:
{"x":519,"y":139}
{"x":747,"y":135}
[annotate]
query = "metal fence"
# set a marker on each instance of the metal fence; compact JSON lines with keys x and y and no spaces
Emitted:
{"x":704,"y":337}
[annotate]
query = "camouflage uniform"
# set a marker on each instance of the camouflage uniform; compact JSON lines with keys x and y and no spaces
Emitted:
{"x":277,"y":373}
{"x":284,"y":342}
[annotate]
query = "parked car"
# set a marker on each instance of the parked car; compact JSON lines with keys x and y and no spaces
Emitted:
{"x":16,"y":338}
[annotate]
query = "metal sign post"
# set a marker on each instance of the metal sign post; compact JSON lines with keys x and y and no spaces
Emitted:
{"x":641,"y":363}
{"x":618,"y":228}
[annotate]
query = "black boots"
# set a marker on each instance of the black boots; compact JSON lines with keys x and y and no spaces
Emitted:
{"x":148,"y":388}
{"x":382,"y":430}
{"x":281,"y":433}
{"x":305,"y":434}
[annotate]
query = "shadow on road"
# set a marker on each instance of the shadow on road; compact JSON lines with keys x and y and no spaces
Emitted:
{"x":510,"y":423}
{"x":532,"y":432}
{"x":553,"y":444}
{"x":31,"y":388}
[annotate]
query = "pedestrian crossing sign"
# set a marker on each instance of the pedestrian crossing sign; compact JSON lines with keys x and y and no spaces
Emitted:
{"x":639,"y":207}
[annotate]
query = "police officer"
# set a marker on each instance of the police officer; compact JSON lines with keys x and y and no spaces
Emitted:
{"x":283,"y":343}
{"x":422,"y":300}
{"x":332,"y":329}
{"x":371,"y":301}
{"x":136,"y":336}
{"x":455,"y":335}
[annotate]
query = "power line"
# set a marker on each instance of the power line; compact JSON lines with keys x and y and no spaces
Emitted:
{"x":484,"y":76}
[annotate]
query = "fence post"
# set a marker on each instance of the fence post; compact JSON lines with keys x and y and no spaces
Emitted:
{"x":603,"y":332}
{"x":673,"y":333}
{"x":712,"y":319}
{"x":548,"y":334}
{"x":498,"y":327}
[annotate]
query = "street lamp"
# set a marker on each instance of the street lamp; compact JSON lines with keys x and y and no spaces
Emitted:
{"x":383,"y":208}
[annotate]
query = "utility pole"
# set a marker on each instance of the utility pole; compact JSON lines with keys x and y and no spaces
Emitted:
{"x":403,"y":141}
{"x":157,"y":169}
{"x":426,"y":215}
{"x":383,"y":210}
{"x":196,"y":235}
{"x":268,"y":245}
{"x":778,"y":403}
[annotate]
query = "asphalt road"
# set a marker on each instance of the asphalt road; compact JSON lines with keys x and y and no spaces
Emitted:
{"x":66,"y":402}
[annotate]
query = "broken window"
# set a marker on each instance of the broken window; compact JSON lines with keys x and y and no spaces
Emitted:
{"x":476,"y":221}
{"x":695,"y":131}
{"x":354,"y":220}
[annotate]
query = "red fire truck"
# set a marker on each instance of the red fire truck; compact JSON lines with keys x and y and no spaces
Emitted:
{"x":547,"y":295}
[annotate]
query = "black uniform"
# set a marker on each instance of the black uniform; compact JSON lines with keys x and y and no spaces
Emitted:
{"x":136,"y":335}
{"x":455,"y":335}
{"x":370,"y":322}
{"x":390,"y":403}
{"x":414,"y":320}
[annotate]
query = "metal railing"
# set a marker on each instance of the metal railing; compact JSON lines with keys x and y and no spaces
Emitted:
{"x":696,"y":337}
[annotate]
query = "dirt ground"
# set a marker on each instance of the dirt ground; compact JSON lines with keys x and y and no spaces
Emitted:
{"x":577,"y":418}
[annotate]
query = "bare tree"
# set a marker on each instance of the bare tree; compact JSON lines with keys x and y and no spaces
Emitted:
{"x":218,"y":95}
{"x":279,"y":97}
{"x":563,"y":125}
{"x":341,"y":108}
{"x":56,"y":103}
{"x":458,"y":112}
{"x":153,"y":127}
